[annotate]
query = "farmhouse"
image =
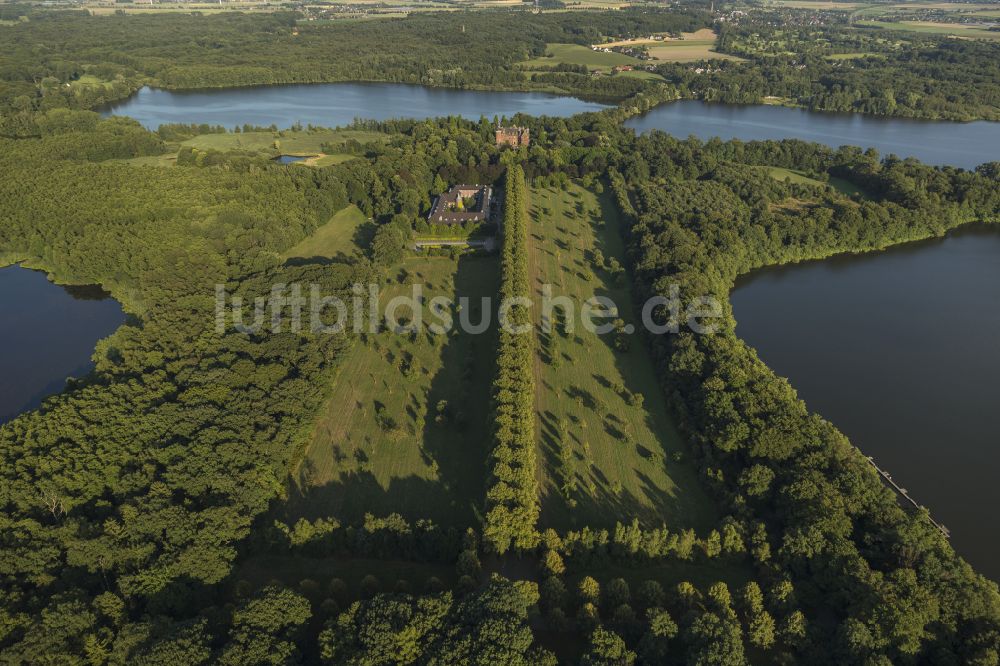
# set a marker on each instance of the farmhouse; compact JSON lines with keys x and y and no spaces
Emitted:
{"x":462,"y":203}
{"x":513,"y":136}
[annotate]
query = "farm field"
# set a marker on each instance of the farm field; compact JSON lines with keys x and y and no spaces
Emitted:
{"x":695,"y":46}
{"x":688,"y":51}
{"x":575,"y":54}
{"x":849,"y":56}
{"x":626,"y":459}
{"x":698,"y":45}
{"x":102,"y":9}
{"x":810,"y":4}
{"x":936,"y":28}
{"x":641,"y":74}
{"x":338,"y":238}
{"x":406,"y":426}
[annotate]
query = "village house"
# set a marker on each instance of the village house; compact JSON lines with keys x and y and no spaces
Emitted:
{"x":513,"y":136}
{"x":461,"y":204}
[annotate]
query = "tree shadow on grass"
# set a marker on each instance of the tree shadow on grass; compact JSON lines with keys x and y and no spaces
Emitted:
{"x":357,"y":493}
{"x":461,"y":442}
{"x":456,"y":445}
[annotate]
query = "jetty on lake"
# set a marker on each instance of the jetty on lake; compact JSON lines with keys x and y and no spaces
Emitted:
{"x":906,"y":495}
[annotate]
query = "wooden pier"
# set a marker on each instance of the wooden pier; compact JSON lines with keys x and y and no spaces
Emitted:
{"x":905,"y":495}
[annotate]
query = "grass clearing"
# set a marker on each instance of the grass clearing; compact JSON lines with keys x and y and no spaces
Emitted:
{"x":795,"y":176}
{"x":628,"y":459}
{"x":848,"y":56}
{"x":641,"y":74}
{"x":90,"y":81}
{"x":845,"y":187}
{"x":289,"y":142}
{"x":341,"y":237}
{"x":378,"y":445}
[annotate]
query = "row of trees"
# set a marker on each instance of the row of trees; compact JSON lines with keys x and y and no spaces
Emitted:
{"x":512,"y":500}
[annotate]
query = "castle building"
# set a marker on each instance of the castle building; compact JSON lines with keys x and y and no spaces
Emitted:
{"x":513,"y":136}
{"x":462,"y":203}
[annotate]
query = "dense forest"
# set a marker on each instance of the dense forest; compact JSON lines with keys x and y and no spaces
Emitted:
{"x":900,"y":74}
{"x":133,"y":504}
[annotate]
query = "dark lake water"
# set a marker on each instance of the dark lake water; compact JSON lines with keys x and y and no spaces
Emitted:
{"x":47,"y":333}
{"x":335,"y":104}
{"x":289,"y":159}
{"x":901,"y":351}
{"x":964,"y":145}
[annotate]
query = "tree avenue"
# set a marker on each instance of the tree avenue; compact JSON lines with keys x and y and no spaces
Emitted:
{"x":512,"y":500}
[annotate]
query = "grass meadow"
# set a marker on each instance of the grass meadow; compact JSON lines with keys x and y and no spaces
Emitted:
{"x":343,"y":236}
{"x":407,"y":427}
{"x":289,"y":142}
{"x":626,"y":459}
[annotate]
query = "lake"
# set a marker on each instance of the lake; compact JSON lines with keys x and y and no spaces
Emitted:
{"x":47,"y":333}
{"x":334,"y":104}
{"x":901,"y":351}
{"x":965,"y":145}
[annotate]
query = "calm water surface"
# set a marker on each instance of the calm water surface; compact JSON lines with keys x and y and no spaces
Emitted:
{"x":964,"y":145}
{"x":901,"y":351}
{"x":47,"y":333}
{"x":335,"y":104}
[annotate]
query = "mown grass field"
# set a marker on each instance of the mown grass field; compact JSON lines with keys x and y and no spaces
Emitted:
{"x":628,"y":460}
{"x":406,"y":428}
{"x":302,"y":143}
{"x":338,"y":238}
{"x":289,"y":142}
